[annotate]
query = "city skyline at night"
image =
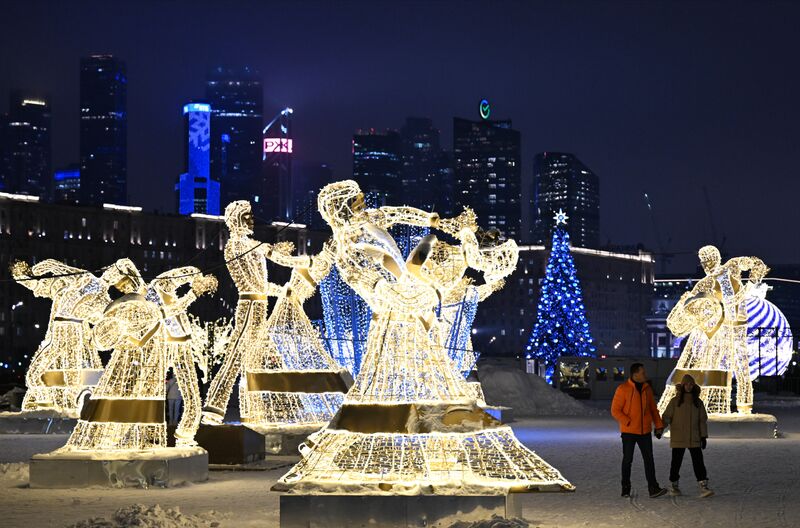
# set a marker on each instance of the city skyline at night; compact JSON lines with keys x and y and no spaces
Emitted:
{"x":647,"y":111}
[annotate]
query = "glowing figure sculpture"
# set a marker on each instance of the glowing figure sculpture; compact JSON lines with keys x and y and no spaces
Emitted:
{"x":144,"y":328}
{"x":287,"y":378}
{"x":714,"y":315}
{"x":769,"y":337}
{"x":290,"y":381}
{"x":461,"y":296}
{"x":178,"y":329}
{"x":66,"y":363}
{"x":409,"y":424}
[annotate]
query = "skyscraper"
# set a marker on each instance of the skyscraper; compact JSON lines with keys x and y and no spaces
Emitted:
{"x":195,"y":191}
{"x":276,"y":187}
{"x":561,"y":181}
{"x":427,"y":173}
{"x":377,"y":164}
{"x":104,"y":130}
{"x":487,"y":172}
{"x":25,"y":149}
{"x":308,"y":180}
{"x":237,"y":106}
{"x":67,"y":184}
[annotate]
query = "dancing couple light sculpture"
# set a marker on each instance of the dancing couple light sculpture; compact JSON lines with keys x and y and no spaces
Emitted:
{"x":66,"y":363}
{"x":287,"y":379}
{"x":714,"y":316}
{"x":148,"y":330}
{"x":409,"y":423}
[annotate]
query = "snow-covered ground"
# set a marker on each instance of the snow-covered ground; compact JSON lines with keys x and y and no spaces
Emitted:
{"x":756,"y":483}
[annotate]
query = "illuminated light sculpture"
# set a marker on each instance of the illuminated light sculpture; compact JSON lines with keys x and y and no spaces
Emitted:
{"x":714,"y":315}
{"x":287,"y":378}
{"x":179,"y":330}
{"x":409,"y":423}
{"x":561,"y":328}
{"x":290,"y":382}
{"x":145,"y":329}
{"x":347,"y":316}
{"x":769,"y":337}
{"x":461,"y":297}
{"x":66,"y":363}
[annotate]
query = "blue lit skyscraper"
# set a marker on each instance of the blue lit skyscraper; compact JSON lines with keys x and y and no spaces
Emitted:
{"x":104,"y":130}
{"x":196,"y":191}
{"x":67,"y":184}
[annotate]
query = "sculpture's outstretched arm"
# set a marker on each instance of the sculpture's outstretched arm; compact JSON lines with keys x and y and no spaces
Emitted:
{"x":387,"y":216}
{"x":23,"y":274}
{"x":281,"y":254}
{"x":495,"y":262}
{"x":758,"y":270}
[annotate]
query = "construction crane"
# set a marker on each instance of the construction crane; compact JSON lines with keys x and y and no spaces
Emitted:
{"x":664,"y":254}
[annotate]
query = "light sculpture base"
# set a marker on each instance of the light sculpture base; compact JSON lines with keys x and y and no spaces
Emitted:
{"x":393,"y":511}
{"x":285,"y":441}
{"x":231,"y":444}
{"x":165,"y":468}
{"x":36,"y":422}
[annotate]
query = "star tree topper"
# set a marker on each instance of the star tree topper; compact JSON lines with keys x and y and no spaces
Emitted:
{"x":560,"y":217}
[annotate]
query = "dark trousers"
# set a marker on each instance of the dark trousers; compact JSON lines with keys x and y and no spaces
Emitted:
{"x":645,"y":443}
{"x":697,"y":463}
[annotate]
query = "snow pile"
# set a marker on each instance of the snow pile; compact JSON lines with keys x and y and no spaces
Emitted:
{"x":10,"y":400}
{"x":14,"y":471}
{"x":506,"y":385}
{"x":495,"y":522}
{"x":152,"y":517}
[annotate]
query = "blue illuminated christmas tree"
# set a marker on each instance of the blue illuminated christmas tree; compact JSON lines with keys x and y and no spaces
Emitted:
{"x":561,"y":326}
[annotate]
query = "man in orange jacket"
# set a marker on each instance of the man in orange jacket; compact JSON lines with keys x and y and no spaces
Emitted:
{"x":634,"y":407}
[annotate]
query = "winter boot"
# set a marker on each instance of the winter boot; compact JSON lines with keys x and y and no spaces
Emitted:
{"x":657,"y":492}
{"x":704,"y":489}
{"x":674,"y":490}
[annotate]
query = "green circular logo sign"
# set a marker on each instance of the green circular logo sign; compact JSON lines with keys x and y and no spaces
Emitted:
{"x":485,"y":109}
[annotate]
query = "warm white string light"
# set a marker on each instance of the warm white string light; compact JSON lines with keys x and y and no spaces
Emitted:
{"x":410,"y":423}
{"x":714,"y":315}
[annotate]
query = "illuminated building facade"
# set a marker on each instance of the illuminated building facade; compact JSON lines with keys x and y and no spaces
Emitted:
{"x":103,"y":130}
{"x":93,"y":237}
{"x":488,"y":174}
{"x":195,"y":191}
{"x":562,"y":182}
{"x":377,"y":164}
{"x":276,"y":189}
{"x":427,"y":172}
{"x":25,"y":159}
{"x":236,"y":97}
{"x":67,"y":184}
{"x":617,"y":292}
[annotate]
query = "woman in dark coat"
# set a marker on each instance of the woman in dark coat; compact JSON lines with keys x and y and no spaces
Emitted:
{"x":688,"y":426}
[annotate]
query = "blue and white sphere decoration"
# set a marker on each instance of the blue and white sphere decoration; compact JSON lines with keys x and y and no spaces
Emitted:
{"x":767,"y":324}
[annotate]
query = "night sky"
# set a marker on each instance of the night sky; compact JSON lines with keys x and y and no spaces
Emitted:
{"x":663,"y":97}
